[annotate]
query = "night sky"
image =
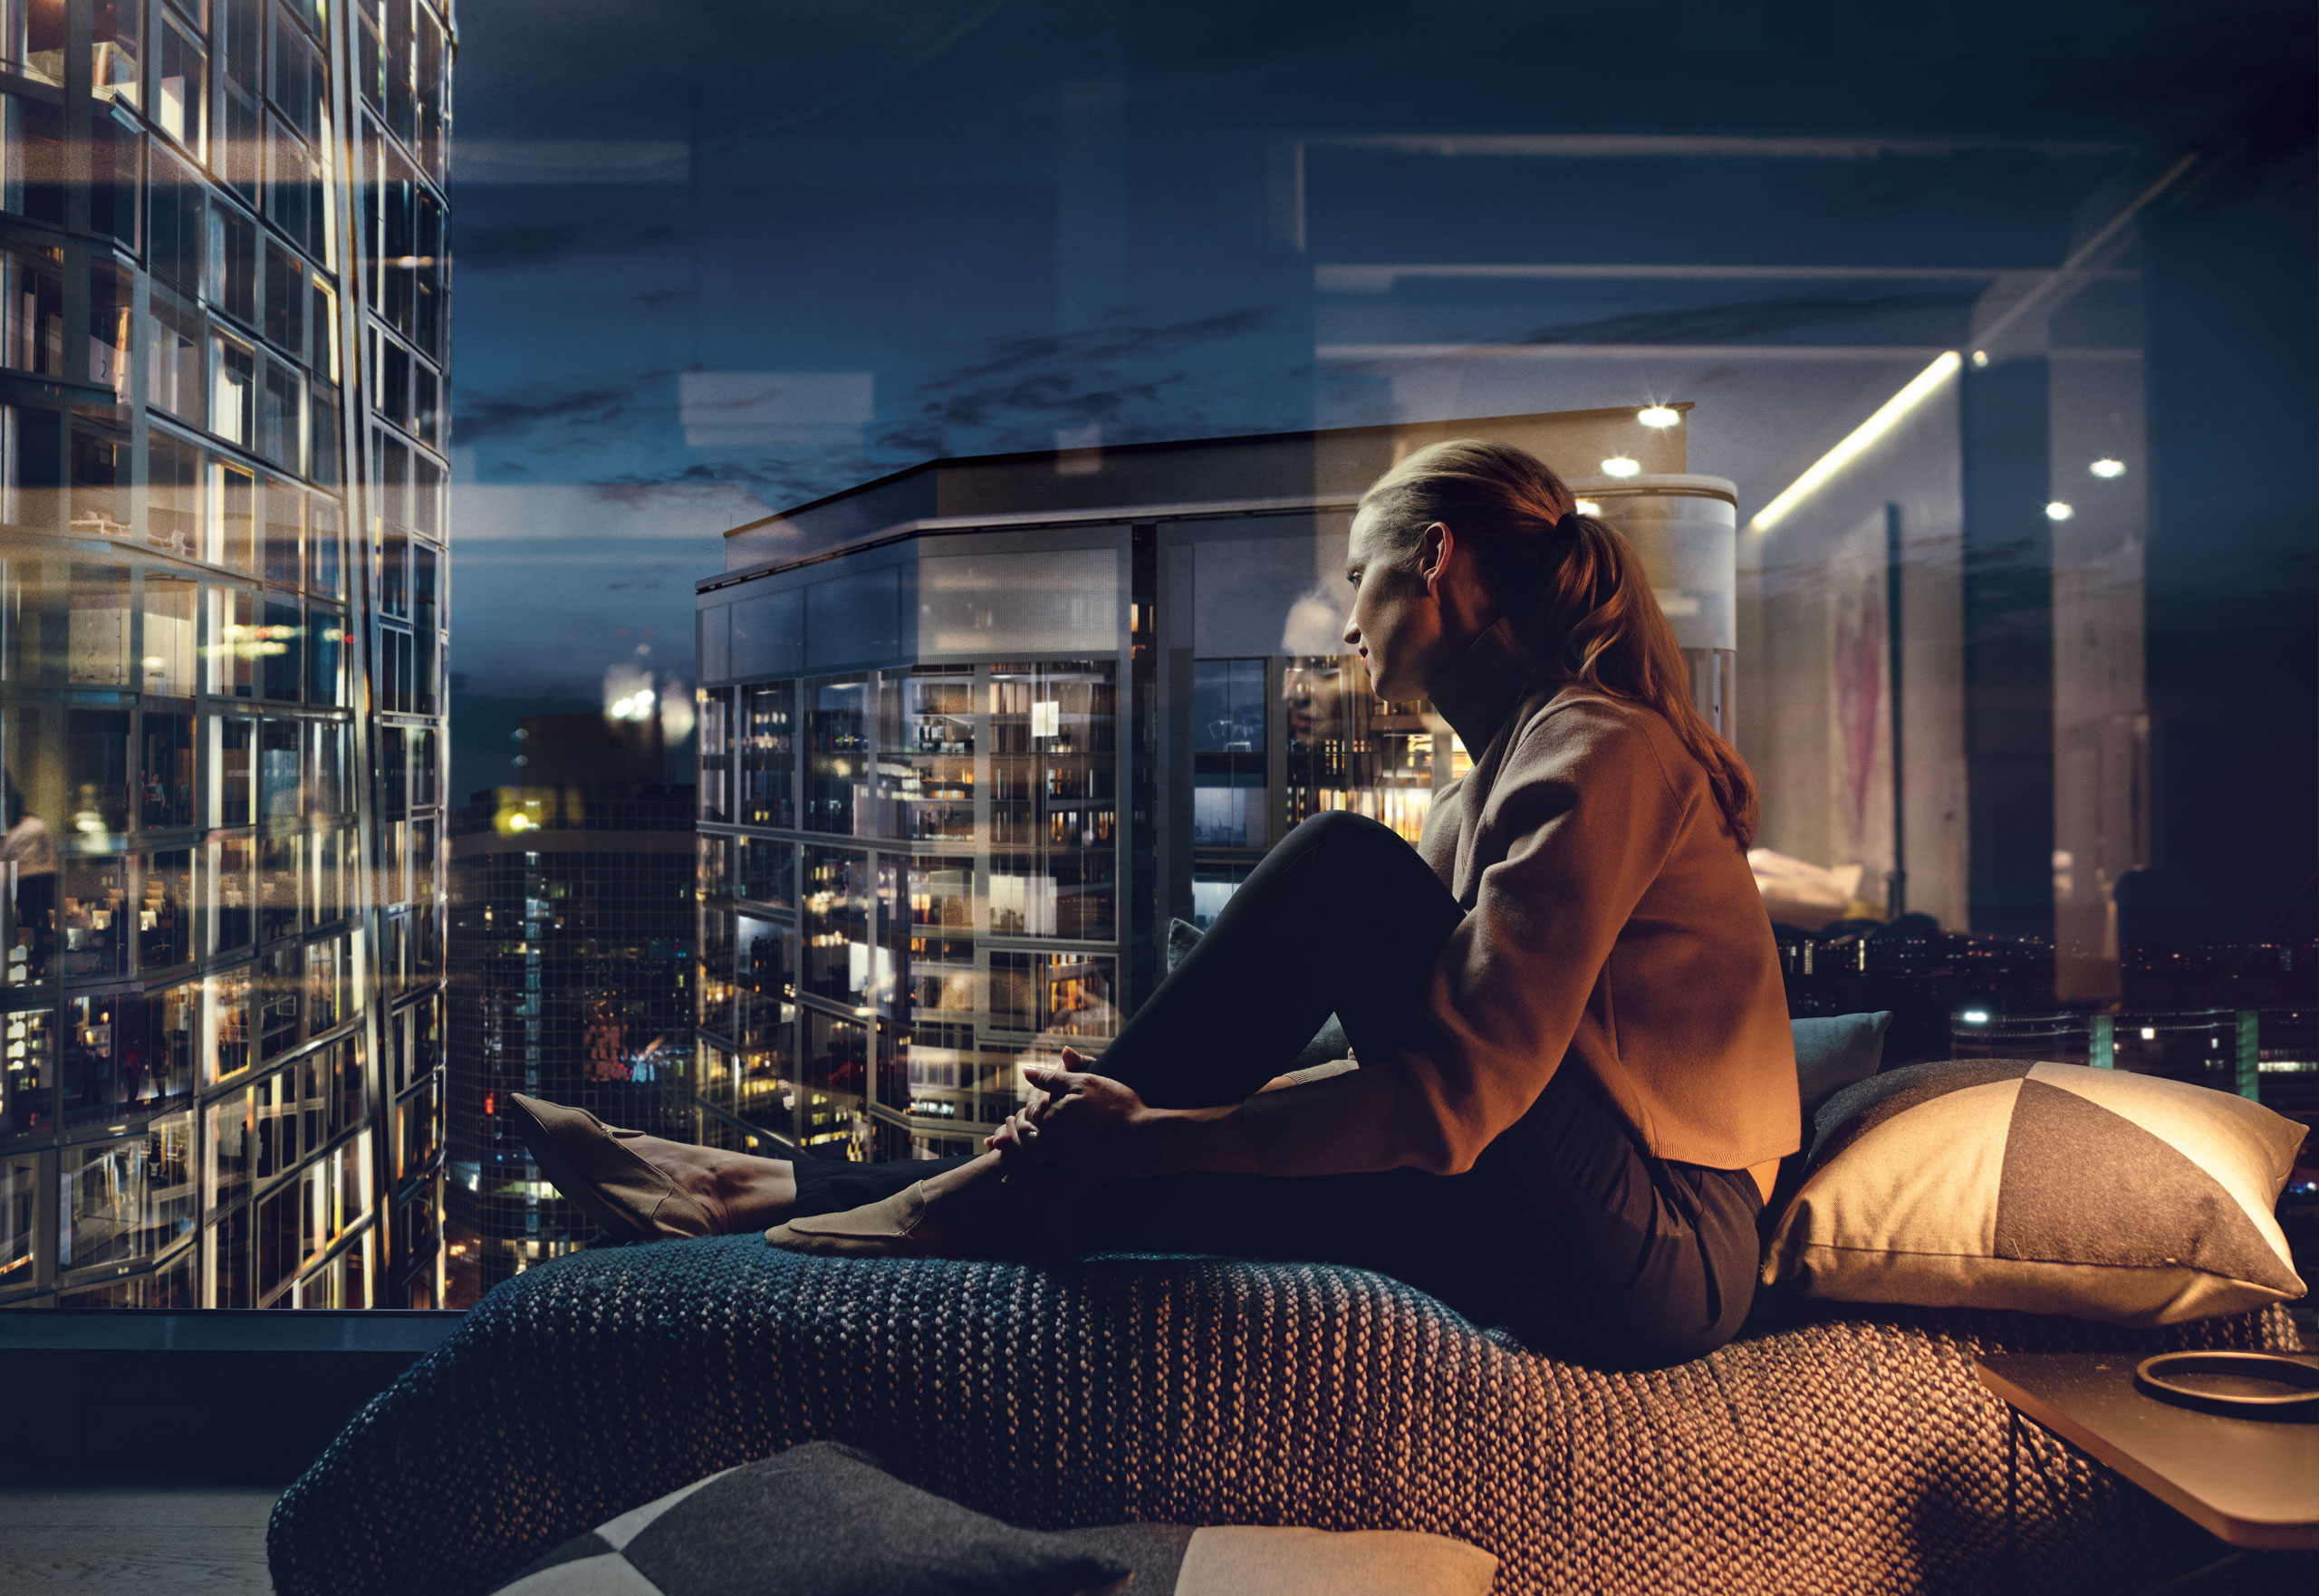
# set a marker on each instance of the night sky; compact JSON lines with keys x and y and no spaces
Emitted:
{"x":716,"y":257}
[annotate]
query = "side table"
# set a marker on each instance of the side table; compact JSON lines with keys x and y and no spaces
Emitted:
{"x":2251,"y":1483}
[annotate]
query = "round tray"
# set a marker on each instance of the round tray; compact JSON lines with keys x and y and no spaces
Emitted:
{"x":2251,"y":1385}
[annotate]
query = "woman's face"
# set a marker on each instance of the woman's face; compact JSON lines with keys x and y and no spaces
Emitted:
{"x":1396,"y":624}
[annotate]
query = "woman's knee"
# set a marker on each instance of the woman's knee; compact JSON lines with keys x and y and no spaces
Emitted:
{"x":1341,"y":834}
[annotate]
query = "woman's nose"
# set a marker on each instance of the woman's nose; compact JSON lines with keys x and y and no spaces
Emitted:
{"x":1351,"y":635}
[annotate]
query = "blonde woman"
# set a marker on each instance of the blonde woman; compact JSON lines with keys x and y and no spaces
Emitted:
{"x":1576,"y":1078}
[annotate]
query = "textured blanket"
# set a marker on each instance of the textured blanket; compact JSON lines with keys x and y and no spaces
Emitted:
{"x":1852,"y":1454}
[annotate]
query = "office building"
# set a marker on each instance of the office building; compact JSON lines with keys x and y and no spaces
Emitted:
{"x":222,"y":584}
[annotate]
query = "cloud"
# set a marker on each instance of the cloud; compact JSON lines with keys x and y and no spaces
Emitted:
{"x":478,"y":420}
{"x":527,"y":245}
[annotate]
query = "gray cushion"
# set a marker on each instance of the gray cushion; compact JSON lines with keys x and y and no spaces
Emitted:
{"x":1836,"y":1051}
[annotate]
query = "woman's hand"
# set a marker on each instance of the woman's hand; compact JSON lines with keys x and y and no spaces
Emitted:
{"x":1089,"y":1127}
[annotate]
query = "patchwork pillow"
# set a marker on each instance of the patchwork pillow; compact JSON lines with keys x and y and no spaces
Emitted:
{"x":824,"y":1520}
{"x":2051,"y":1188}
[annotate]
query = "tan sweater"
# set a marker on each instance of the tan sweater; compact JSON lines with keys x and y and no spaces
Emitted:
{"x":1612,"y":922}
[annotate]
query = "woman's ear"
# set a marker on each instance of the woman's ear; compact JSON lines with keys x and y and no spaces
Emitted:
{"x":1436,"y":546}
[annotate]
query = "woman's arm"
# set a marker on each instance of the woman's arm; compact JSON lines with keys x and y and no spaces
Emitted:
{"x":1098,"y":1130}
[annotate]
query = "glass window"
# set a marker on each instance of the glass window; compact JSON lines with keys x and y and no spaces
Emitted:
{"x":281,"y":792}
{"x":283,"y":650}
{"x":96,"y":764}
{"x":281,"y":416}
{"x":232,"y":649}
{"x":768,"y":870}
{"x":233,"y":388}
{"x":284,"y":533}
{"x":111,"y":319}
{"x":239,"y":32}
{"x":229,"y":896}
{"x":768,"y":755}
{"x":43,"y":40}
{"x":281,"y":998}
{"x":19,"y":1202}
{"x":103,"y":485}
{"x":117,"y":28}
{"x":174,"y":361}
{"x":165,"y":910}
{"x":117,"y":181}
{"x":165,"y":769}
{"x":233,"y":786}
{"x":173,"y":1040}
{"x":173,"y":502}
{"x":285,"y":302}
{"x":30,"y":1107}
{"x":323,"y":551}
{"x":234,"y":517}
{"x":325,"y":657}
{"x":225,"y":1019}
{"x":289,"y":187}
{"x":926,"y":755}
{"x":842,"y":962}
{"x":32,"y":339}
{"x":715,"y":732}
{"x":280,"y":866}
{"x":177,"y":224}
{"x":180,"y":77}
{"x":837,"y":752}
{"x":95,"y":917}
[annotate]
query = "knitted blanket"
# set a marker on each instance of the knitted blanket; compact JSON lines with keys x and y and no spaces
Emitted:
{"x":1839,"y":1454}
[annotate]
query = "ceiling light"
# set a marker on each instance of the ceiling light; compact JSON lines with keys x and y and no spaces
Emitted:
{"x":1659,"y":416}
{"x":1975,"y":1017}
{"x":1886,"y":417}
{"x":1619,"y":466}
{"x":1588,"y":507}
{"x":2058,"y":511}
{"x":1980,"y":357}
{"x":2106,"y":466}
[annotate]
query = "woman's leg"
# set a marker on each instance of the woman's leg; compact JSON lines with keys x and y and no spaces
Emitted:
{"x":1342,"y":917}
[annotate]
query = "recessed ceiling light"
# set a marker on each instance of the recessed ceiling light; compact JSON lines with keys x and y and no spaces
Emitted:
{"x":2106,"y":466}
{"x":1980,"y":357}
{"x":1659,"y":416}
{"x":1619,"y":466}
{"x":2058,"y":511}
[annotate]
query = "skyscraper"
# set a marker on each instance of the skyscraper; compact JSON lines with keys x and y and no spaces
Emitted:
{"x":571,"y":968}
{"x":222,"y":609}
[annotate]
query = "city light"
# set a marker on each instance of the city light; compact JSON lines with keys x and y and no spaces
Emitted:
{"x":1620,"y":466}
{"x":1975,"y":1017}
{"x":2107,"y":467}
{"x":1659,"y":416}
{"x":2149,"y":1032}
{"x":1588,"y":507}
{"x":2058,"y":511}
{"x":1887,"y":416}
{"x":1980,"y":357}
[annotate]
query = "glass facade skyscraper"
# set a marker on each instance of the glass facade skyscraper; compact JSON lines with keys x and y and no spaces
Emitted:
{"x":223,"y":589}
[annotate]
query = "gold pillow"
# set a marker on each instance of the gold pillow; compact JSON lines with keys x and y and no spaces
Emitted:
{"x":2051,"y":1188}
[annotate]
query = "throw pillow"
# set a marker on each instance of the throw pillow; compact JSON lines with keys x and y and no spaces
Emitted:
{"x":821,"y":1518}
{"x":2051,"y":1188}
{"x":1836,"y":1051}
{"x":825,"y":1519}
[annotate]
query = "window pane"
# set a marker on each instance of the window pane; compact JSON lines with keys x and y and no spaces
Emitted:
{"x":165,"y":769}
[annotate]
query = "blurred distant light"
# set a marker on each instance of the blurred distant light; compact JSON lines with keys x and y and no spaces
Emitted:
{"x":1887,"y":416}
{"x":2106,"y":466}
{"x":1619,"y":466}
{"x":1980,"y":357}
{"x":1659,"y":416}
{"x":1588,"y":507}
{"x":2149,"y":1032}
{"x":2058,"y":511}
{"x":1975,"y":1017}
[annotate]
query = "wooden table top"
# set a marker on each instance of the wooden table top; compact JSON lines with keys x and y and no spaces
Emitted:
{"x":2252,"y":1481}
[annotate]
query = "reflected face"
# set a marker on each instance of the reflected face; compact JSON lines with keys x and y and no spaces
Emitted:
{"x":1396,"y":623}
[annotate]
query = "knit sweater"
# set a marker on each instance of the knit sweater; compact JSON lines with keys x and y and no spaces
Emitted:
{"x":1611,"y":923}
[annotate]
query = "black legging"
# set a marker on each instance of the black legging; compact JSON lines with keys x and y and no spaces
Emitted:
{"x":1566,"y":1230}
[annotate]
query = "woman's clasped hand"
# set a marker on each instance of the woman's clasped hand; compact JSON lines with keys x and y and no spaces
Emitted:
{"x":1088,"y":1127}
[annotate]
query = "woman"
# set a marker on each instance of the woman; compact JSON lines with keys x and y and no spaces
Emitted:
{"x":1576,"y":1078}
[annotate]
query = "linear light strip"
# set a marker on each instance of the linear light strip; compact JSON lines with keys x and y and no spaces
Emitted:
{"x":1887,"y":416}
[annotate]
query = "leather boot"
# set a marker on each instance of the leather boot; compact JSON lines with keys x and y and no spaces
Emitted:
{"x":590,"y":1163}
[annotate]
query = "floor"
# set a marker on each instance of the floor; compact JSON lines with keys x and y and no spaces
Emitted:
{"x":178,"y":1541}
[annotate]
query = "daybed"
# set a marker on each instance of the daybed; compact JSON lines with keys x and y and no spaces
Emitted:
{"x":1837,"y":1451}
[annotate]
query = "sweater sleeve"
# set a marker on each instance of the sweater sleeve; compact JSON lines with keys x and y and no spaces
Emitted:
{"x":1589,"y":815}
